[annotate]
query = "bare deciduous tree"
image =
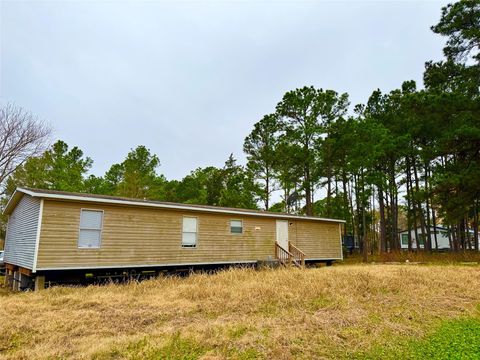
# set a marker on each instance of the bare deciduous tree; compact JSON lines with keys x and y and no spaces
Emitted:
{"x":22,"y":135}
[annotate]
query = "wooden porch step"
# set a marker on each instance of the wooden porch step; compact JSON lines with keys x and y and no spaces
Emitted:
{"x":292,"y":256}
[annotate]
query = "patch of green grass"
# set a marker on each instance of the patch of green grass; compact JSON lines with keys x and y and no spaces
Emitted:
{"x":244,"y":354}
{"x":179,"y":348}
{"x":9,"y":343}
{"x":453,"y":339}
{"x":320,"y":302}
{"x":237,"y":332}
{"x":458,"y":339}
{"x":271,"y":308}
{"x":176,"y":347}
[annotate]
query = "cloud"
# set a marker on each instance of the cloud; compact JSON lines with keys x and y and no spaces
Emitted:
{"x":189,"y":79}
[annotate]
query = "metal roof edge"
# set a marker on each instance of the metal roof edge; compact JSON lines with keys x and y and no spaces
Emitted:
{"x":15,"y":195}
{"x":174,"y":206}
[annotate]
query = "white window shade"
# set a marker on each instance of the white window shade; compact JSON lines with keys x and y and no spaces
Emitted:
{"x":189,"y":233}
{"x":189,"y":239}
{"x":236,"y":226}
{"x":90,"y":234}
{"x":189,"y":224}
{"x":91,"y":219}
{"x":89,"y":238}
{"x":236,"y":223}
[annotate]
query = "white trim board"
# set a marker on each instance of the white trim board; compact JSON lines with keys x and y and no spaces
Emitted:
{"x":37,"y":240}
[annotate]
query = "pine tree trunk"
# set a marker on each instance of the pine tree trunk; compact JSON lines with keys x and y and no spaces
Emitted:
{"x":467,"y":232}
{"x":414,"y":208}
{"x":461,"y":234}
{"x":383,"y":227}
{"x":388,"y":221}
{"x":364,"y":222}
{"x":409,"y":204}
{"x":352,"y":209}
{"x":435,"y":232}
{"x":394,"y":230}
{"x":267,"y":190}
{"x":428,"y":241}
{"x":329,"y":190}
{"x":475,"y":224}
{"x":450,"y":238}
{"x":345,"y":199}
{"x":422,"y":217}
{"x":357,"y":210}
{"x":308,"y":192}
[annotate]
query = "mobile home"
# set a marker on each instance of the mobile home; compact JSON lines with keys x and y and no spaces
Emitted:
{"x":443,"y":239}
{"x":55,"y":235}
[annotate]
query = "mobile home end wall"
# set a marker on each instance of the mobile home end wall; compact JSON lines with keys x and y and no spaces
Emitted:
{"x":22,"y":229}
{"x":319,"y":240}
{"x":135,"y":236}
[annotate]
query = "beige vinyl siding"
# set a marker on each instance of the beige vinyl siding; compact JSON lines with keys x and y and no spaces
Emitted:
{"x":142,"y":236}
{"x":134,"y":236}
{"x":317,"y":239}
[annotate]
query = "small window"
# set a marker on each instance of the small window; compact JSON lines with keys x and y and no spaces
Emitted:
{"x":236,"y":227}
{"x":189,"y":233}
{"x":91,"y":222}
{"x":405,"y":239}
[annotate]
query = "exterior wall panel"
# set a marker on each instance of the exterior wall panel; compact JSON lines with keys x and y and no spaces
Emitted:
{"x":318,"y":240}
{"x":22,"y":233}
{"x":135,"y":236}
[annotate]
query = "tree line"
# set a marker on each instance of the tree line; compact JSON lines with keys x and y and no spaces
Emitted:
{"x":66,"y":169}
{"x":406,"y":159}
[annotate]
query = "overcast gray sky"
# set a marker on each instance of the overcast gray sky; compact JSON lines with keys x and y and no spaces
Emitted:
{"x":189,"y":79}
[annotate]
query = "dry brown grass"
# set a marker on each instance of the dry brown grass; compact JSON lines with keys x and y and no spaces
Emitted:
{"x":288,"y":313}
{"x":453,"y":258}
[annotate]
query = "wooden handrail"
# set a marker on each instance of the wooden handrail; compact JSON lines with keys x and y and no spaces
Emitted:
{"x":282,"y":254}
{"x":298,"y":254}
{"x":292,"y":255}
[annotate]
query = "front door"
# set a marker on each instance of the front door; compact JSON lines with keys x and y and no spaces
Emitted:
{"x":282,"y":234}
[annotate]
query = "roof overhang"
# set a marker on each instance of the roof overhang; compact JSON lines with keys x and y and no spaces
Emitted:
{"x":19,"y":192}
{"x":13,"y":201}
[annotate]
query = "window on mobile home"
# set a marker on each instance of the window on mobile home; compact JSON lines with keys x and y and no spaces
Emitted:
{"x":421,"y":239}
{"x":405,"y":239}
{"x":236,"y":226}
{"x":91,"y":223}
{"x":189,"y":234}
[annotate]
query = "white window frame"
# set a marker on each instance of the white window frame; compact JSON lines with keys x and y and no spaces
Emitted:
{"x":196,"y":233}
{"x":230,"y":223}
{"x":80,"y":230}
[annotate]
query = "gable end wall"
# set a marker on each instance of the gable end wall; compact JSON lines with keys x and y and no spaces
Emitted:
{"x":20,"y":240}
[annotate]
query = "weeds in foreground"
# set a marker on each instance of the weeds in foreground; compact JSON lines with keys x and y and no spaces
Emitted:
{"x":332,"y":312}
{"x":441,"y":258}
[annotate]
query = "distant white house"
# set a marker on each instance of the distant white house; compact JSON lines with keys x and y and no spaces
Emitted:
{"x":442,"y":238}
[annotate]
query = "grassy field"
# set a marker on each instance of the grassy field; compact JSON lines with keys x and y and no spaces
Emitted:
{"x":350,"y":311}
{"x":423,"y":257}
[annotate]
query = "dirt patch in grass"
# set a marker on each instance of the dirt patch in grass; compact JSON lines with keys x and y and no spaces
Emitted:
{"x":334,"y":312}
